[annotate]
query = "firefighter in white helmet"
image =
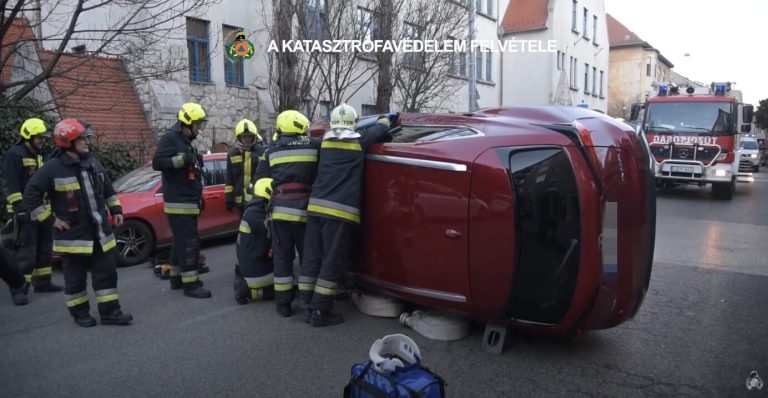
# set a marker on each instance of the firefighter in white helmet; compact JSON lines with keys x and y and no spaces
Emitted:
{"x":334,"y":211}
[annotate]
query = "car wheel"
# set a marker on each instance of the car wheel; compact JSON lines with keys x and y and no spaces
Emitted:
{"x":135,"y":243}
{"x":724,"y":190}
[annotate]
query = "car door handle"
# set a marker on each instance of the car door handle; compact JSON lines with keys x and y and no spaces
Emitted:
{"x":212,"y":196}
{"x":452,"y":233}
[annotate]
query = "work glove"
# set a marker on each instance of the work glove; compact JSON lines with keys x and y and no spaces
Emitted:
{"x":22,"y":218}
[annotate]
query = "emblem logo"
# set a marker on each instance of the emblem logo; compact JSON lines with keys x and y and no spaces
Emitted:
{"x":683,"y":153}
{"x":238,"y":46}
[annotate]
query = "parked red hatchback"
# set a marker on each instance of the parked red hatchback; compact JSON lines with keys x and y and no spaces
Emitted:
{"x":146,"y":227}
{"x":537,"y":217}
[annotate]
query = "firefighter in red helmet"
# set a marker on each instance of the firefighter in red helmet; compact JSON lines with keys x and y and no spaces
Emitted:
{"x":80,"y":193}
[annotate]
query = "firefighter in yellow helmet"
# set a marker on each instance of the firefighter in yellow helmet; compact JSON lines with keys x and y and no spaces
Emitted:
{"x":33,"y":243}
{"x":182,"y":174}
{"x":334,"y":211}
{"x":242,"y":161}
{"x":253,"y":271}
{"x":292,"y":164}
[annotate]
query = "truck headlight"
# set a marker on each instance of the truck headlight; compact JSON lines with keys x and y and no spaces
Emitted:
{"x":754,"y":155}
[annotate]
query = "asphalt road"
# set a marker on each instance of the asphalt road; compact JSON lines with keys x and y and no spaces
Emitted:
{"x":701,"y":330}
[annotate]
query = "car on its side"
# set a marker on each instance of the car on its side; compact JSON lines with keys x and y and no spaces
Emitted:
{"x":541,"y":218}
{"x":145,"y":227}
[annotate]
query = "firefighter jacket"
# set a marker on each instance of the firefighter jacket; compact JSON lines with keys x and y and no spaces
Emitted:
{"x":337,"y":192}
{"x":80,"y":193}
{"x":182,"y":179}
{"x":292,"y":165}
{"x":241,"y":166}
{"x":19,"y":165}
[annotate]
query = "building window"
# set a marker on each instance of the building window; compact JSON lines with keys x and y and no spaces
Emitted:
{"x":479,"y":66}
{"x":488,"y":66}
{"x":233,"y":69}
{"x":586,"y":29}
{"x":367,"y":28}
{"x":573,"y":80}
{"x":369,"y":110}
{"x":489,"y":11}
{"x":648,"y":69}
{"x":197,"y":47}
{"x":412,"y":59}
{"x":594,"y":81}
{"x":574,"y":16}
{"x":324,"y":110}
{"x":315,"y":21}
{"x":601,"y":84}
{"x":558,"y":60}
{"x":594,"y":30}
{"x":479,"y":6}
{"x":586,"y":78}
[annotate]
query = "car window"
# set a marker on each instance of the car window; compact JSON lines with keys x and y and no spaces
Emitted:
{"x":215,"y":172}
{"x":139,"y":180}
{"x":748,"y":145}
{"x":416,"y":134}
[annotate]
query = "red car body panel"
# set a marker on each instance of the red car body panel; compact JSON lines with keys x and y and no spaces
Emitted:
{"x":447,"y":233}
{"x":147,"y":207}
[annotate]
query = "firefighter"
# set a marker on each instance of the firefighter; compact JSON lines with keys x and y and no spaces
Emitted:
{"x":253,"y":276}
{"x":80,"y":192}
{"x":182,"y":175}
{"x":241,"y":164}
{"x":292,"y":164}
{"x":11,"y":274}
{"x":33,"y":243}
{"x":334,"y":212}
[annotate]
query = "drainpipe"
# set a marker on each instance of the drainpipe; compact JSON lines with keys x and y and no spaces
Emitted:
{"x":472,"y":83}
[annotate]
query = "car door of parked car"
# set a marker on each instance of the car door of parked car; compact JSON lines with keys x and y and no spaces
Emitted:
{"x":215,"y":218}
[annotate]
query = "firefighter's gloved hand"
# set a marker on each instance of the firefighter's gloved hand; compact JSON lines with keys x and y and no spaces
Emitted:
{"x":189,"y":158}
{"x":230,"y":207}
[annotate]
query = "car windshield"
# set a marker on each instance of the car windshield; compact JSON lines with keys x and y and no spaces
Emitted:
{"x":748,"y":145}
{"x":689,"y":118}
{"x":139,"y":180}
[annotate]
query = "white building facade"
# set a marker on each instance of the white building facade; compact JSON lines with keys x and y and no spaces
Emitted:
{"x":576,"y":73}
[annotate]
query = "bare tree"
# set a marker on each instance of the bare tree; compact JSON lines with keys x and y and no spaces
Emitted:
{"x":423,"y":79}
{"x":132,"y":30}
{"x":383,"y":27}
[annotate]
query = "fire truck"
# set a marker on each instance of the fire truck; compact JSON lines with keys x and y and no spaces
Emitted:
{"x":694,"y":135}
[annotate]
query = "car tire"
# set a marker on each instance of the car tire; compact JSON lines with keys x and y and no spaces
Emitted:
{"x":135,"y":243}
{"x":724,"y":190}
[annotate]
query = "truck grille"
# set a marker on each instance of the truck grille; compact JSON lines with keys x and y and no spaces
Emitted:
{"x":704,"y":154}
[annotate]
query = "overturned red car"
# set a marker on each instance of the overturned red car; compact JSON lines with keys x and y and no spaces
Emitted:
{"x":541,"y":218}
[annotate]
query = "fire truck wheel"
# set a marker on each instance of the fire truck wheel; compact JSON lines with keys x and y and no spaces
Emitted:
{"x":724,"y":190}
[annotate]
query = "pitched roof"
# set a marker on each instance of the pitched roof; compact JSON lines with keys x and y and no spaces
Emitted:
{"x":620,"y":36}
{"x":19,"y":31}
{"x":525,"y":15}
{"x":100,"y":91}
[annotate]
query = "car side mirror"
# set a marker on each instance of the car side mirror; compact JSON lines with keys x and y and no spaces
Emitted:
{"x":746,"y":115}
{"x":635,"y":112}
{"x":746,"y":128}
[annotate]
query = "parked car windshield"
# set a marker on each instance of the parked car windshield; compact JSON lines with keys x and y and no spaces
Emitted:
{"x":748,"y":145}
{"x":142,"y":179}
{"x":689,"y":117}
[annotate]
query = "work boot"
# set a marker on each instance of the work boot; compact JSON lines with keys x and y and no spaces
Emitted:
{"x":20,"y":295}
{"x":196,"y":291}
{"x":176,"y":282}
{"x":241,"y":290}
{"x":48,"y":287}
{"x":203,"y":269}
{"x":307,"y":315}
{"x":284,"y":310}
{"x":324,"y":318}
{"x":118,"y":318}
{"x":85,"y":320}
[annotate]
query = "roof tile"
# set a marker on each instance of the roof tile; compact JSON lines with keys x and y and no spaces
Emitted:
{"x":525,"y":15}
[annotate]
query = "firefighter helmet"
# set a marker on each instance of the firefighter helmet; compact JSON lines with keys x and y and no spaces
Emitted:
{"x":68,"y":130}
{"x":246,"y":126}
{"x":343,"y":117}
{"x":263,"y":188}
{"x":191,"y":112}
{"x":291,"y":122}
{"x":33,"y":127}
